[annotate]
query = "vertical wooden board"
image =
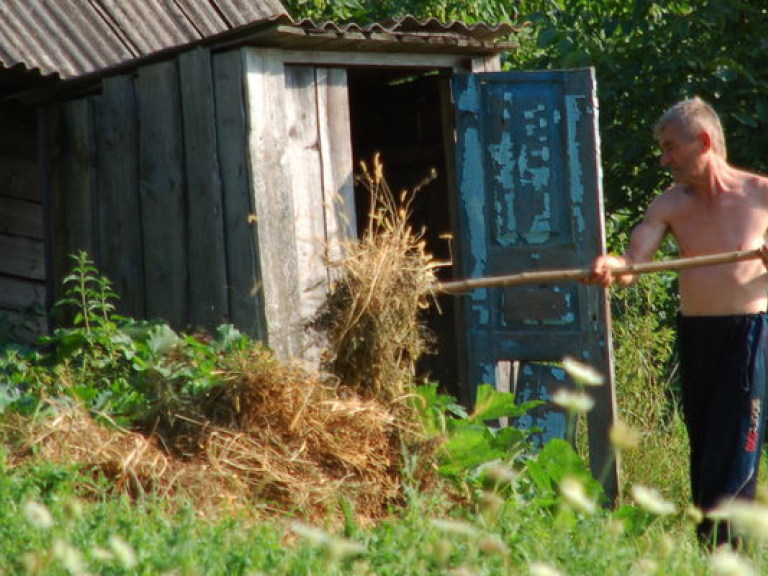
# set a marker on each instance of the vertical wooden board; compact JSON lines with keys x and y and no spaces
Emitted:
{"x":49,"y":127}
{"x":80,"y":176}
{"x":69,"y":175}
{"x":208,"y":306}
{"x":478,"y":365}
{"x":246,"y":297}
{"x":303,"y":157}
{"x":583,"y":138}
{"x":120,"y":226}
{"x":161,"y":192}
{"x":272,"y":193}
{"x":334,"y":128}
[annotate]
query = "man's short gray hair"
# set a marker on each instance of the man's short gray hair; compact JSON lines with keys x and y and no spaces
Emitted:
{"x":692,"y":116}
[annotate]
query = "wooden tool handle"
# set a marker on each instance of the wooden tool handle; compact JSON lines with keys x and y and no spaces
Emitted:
{"x":545,"y":276}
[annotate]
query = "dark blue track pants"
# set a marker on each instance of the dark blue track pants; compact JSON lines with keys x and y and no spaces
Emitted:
{"x":723,"y":373}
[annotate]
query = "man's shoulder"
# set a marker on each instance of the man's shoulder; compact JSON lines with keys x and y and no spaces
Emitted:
{"x":756,"y":186}
{"x":664,"y":207}
{"x":671,"y":197}
{"x":757,"y":181}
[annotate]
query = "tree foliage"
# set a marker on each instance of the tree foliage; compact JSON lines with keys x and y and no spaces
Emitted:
{"x":647,"y":54}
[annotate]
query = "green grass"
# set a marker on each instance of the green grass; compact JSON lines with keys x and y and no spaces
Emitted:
{"x":430,"y":535}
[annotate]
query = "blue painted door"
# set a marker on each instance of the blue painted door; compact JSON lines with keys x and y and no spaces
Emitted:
{"x":528,"y":174}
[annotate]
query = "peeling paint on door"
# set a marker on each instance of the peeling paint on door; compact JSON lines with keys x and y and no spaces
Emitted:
{"x":530,"y":198}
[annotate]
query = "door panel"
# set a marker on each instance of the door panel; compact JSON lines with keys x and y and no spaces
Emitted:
{"x":530,"y":198}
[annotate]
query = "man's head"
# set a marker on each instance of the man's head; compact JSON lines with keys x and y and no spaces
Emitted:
{"x":692,"y":117}
{"x":691,"y":138}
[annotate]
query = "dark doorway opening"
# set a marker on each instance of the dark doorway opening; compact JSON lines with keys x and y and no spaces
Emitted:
{"x":401,"y":115}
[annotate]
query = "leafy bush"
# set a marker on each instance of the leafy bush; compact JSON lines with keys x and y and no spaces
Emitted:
{"x":126,"y":369}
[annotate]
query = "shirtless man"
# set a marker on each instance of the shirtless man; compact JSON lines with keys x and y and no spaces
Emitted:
{"x":722,"y":328}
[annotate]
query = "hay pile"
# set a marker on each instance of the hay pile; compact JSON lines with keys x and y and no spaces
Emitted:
{"x":275,"y":438}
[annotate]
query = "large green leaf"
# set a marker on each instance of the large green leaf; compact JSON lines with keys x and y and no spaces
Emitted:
{"x":468,"y":446}
{"x":491,"y":404}
{"x":162,"y":339}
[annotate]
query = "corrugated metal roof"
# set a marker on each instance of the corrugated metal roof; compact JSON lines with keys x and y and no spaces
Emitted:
{"x":76,"y":37}
{"x":408,"y":24}
{"x":407,"y":34}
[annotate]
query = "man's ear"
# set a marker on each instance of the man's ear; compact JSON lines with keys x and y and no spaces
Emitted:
{"x":705,"y":139}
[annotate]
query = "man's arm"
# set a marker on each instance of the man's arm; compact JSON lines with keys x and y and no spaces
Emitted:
{"x":643,"y":244}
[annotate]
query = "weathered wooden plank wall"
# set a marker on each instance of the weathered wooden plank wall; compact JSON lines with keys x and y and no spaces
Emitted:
{"x":207,"y":188}
{"x":336,"y":158}
{"x":22,"y":266}
{"x":265,"y":97}
{"x":133,"y":177}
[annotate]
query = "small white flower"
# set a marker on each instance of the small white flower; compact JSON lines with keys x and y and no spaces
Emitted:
{"x":724,"y":562}
{"x":38,"y":515}
{"x":490,"y":505}
{"x":455,"y":527}
{"x":499,"y":473}
{"x":69,"y":557}
{"x":339,"y":549}
{"x":573,"y":401}
{"x":624,"y":437}
{"x":493,"y":546}
{"x":542,"y":569}
{"x":644,"y":567}
{"x":123,"y":552}
{"x":572,"y":491}
{"x":749,"y":518}
{"x":335,"y":547}
{"x":311,"y":534}
{"x":582,"y":373}
{"x":694,"y":514}
{"x":101,"y":554}
{"x":650,"y":500}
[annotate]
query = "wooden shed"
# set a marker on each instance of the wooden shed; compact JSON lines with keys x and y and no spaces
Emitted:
{"x":206,"y":161}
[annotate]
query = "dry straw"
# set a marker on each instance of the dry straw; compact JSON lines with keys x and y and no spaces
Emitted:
{"x":274,"y":438}
{"x":372,"y":318}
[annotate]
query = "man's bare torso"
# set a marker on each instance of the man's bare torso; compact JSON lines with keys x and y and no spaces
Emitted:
{"x":726,"y":221}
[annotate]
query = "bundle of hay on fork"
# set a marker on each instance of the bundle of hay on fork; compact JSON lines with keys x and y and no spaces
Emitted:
{"x":386,"y":279}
